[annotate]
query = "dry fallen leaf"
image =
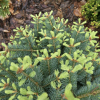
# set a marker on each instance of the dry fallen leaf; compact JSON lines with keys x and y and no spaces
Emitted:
{"x":47,"y":9}
{"x":6,"y":31}
{"x":64,"y":5}
{"x":82,"y":2}
{"x":15,"y":13}
{"x":3,"y":18}
{"x":77,"y":8}
{"x":77,"y":12}
{"x":46,"y":1}
{"x":59,"y":13}
{"x":20,"y":21}
{"x":11,"y":10}
{"x":19,"y":14}
{"x":11,"y":7}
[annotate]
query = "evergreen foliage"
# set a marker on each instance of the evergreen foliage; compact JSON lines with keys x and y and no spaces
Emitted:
{"x":4,"y":8}
{"x":91,"y":11}
{"x":50,"y":62}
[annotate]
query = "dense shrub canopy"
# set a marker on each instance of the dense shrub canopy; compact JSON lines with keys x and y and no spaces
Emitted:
{"x":50,"y":62}
{"x":91,"y":11}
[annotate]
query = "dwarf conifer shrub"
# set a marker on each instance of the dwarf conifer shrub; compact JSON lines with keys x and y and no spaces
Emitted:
{"x":91,"y":12}
{"x":4,"y":8}
{"x":52,"y":61}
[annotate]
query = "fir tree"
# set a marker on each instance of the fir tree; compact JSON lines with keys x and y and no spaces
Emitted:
{"x":52,"y":61}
